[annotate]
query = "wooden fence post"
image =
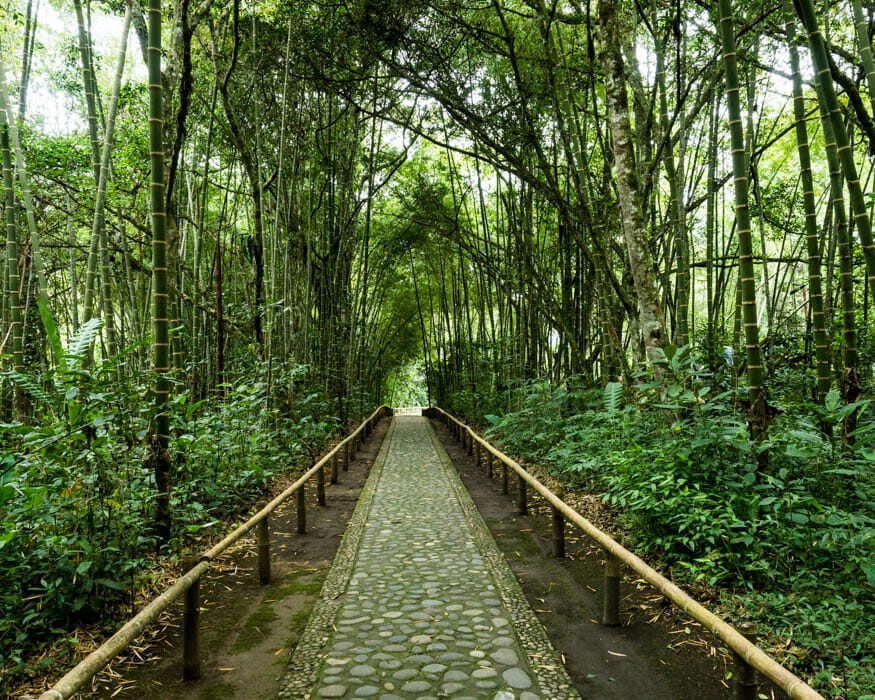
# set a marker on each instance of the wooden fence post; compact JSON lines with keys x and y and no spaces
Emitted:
{"x":504,"y":485}
{"x":320,"y":486}
{"x":488,"y":465}
{"x":611,"y":611}
{"x":191,"y":655}
{"x":558,"y":534}
{"x":346,"y":456}
{"x":522,"y":506}
{"x":335,"y":476}
{"x":745,"y":675}
{"x":301,"y":507}
{"x":264,"y":550}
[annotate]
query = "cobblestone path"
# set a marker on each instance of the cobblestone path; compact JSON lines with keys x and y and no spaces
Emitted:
{"x":420,"y":603}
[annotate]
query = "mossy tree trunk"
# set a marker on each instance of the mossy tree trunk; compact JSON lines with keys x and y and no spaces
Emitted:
{"x":631,"y":213}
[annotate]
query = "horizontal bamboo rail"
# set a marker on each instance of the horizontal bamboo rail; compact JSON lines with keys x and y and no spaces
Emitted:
{"x":86,"y":669}
{"x":746,"y":651}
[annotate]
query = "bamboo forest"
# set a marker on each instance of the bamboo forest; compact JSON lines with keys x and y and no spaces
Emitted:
{"x":542,"y":330}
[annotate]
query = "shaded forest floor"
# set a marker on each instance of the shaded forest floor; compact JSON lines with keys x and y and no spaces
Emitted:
{"x":249,"y":630}
{"x":656,"y":647}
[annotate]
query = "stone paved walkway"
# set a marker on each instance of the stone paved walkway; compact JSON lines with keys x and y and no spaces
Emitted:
{"x":420,"y":603}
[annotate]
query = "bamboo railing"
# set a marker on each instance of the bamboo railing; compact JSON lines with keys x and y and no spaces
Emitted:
{"x":189,"y":582}
{"x":749,"y":657}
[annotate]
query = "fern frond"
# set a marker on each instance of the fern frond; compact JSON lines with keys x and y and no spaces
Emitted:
{"x":81,"y":341}
{"x":30,"y":385}
{"x":613,"y":397}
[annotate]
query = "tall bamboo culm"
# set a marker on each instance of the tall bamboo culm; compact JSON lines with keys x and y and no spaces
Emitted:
{"x":12,"y":277}
{"x":827,"y":94}
{"x":812,"y":236}
{"x":740,"y":169}
{"x":159,"y":455}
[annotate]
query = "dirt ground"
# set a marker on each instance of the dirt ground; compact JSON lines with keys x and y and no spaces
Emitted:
{"x":655,"y":653}
{"x":249,"y":630}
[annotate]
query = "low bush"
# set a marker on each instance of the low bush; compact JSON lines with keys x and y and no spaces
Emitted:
{"x":792,"y":544}
{"x":76,"y":500}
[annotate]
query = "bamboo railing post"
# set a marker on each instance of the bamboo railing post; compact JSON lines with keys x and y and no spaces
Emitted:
{"x":346,"y":456}
{"x":522,"y":506}
{"x":320,"y":486}
{"x":191,"y":655}
{"x":745,"y":675}
{"x":301,"y":507}
{"x":335,"y":477}
{"x":470,"y":443}
{"x":488,"y":465}
{"x":611,"y":611}
{"x":264,"y":550}
{"x":558,"y":534}
{"x":477,"y":454}
{"x":504,"y":485}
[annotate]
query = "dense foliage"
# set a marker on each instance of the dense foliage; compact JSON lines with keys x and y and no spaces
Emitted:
{"x":77,"y":502}
{"x":791,"y":547}
{"x":230,"y":227}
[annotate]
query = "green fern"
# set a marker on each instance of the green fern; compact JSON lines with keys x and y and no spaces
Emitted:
{"x":613,"y":397}
{"x":30,"y":386}
{"x":81,"y":342}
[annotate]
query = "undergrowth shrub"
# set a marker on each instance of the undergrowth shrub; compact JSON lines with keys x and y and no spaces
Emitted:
{"x":76,"y":500}
{"x":794,"y":542}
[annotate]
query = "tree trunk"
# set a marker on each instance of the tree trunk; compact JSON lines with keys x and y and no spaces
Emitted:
{"x":640,"y":258}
